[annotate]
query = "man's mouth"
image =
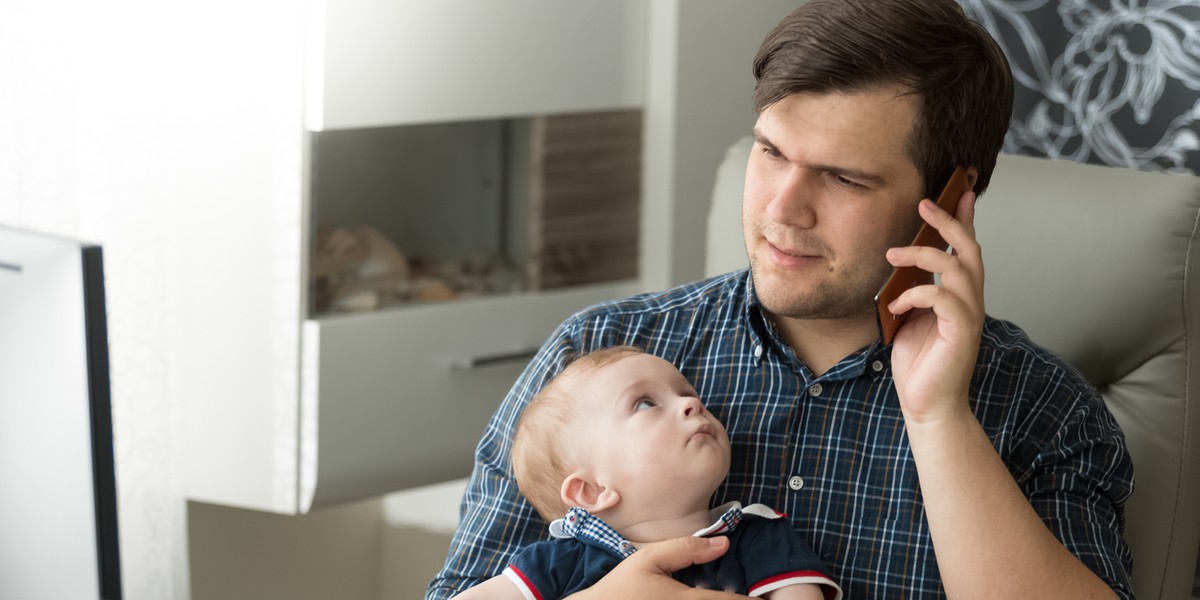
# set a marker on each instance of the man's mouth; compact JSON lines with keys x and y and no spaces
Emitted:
{"x":792,"y":257}
{"x":791,"y":252}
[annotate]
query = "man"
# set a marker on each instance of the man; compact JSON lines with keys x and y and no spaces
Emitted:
{"x":959,"y":461}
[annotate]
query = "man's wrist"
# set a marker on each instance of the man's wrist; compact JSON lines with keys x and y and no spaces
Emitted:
{"x":946,"y":414}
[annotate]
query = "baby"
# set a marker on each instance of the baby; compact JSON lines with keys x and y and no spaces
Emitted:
{"x":620,"y":444}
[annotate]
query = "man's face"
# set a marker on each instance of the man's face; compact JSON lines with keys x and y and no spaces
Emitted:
{"x":648,"y":435}
{"x":830,"y":186}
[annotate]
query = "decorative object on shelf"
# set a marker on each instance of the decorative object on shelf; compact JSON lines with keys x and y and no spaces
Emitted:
{"x":359,"y":269}
{"x":356,"y":269}
{"x":444,"y":211}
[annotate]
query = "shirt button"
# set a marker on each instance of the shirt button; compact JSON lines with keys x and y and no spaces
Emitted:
{"x":796,"y":482}
{"x":877,"y":366}
{"x":815,"y":390}
{"x":758,"y":352}
{"x":626,"y":547}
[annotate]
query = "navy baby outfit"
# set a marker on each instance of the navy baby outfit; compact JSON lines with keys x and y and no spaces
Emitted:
{"x":765,"y":554}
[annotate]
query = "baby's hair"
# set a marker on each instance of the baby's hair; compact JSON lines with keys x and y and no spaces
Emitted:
{"x":540,"y":459}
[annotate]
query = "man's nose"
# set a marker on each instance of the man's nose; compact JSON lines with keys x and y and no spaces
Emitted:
{"x":792,"y":200}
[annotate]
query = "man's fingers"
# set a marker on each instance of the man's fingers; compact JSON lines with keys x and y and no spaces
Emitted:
{"x":957,"y":230}
{"x":966,"y":212}
{"x":646,"y":575}
{"x":679,"y":553}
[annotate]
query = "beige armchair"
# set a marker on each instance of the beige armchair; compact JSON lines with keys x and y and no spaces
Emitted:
{"x":1100,"y":265}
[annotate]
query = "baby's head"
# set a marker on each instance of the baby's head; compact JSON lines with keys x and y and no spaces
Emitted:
{"x":618,"y":426}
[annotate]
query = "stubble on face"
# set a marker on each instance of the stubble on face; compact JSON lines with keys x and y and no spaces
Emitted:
{"x":847,"y":291}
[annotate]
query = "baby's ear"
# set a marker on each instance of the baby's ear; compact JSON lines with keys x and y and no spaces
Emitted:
{"x":578,"y":489}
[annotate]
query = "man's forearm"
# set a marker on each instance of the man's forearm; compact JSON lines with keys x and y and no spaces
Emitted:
{"x":989,"y":541}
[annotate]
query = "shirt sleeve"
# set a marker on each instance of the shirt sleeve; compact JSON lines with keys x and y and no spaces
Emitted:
{"x":775,"y":556}
{"x":494,"y":519}
{"x":1066,"y":452}
{"x":535,"y":570}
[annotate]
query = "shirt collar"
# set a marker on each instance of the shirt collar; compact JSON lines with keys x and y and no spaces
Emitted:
{"x":763,"y":333}
{"x":759,"y":329}
{"x":588,"y":528}
{"x":727,"y":517}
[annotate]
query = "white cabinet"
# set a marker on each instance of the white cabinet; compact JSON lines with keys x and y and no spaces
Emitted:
{"x":353,"y":405}
{"x":399,"y":398}
{"x":285,"y":412}
{"x":389,"y":62}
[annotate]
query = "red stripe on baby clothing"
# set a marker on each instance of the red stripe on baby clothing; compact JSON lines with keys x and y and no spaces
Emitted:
{"x":525,"y":580}
{"x":830,"y":589}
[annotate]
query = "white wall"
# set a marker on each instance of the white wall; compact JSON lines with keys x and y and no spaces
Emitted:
{"x":698,"y":102}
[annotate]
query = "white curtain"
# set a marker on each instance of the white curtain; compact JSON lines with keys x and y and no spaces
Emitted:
{"x":119,"y":123}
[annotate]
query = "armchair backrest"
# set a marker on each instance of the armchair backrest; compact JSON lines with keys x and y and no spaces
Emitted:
{"x":1099,"y":265}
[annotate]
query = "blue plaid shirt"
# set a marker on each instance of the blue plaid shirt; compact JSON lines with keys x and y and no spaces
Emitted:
{"x":830,"y":451}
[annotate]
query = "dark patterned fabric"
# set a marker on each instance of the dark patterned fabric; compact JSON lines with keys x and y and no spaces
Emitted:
{"x":1113,"y":82}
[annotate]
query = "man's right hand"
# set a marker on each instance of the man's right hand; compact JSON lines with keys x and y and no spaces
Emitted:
{"x":646,"y":575}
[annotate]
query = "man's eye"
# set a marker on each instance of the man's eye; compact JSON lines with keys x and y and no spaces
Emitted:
{"x":848,"y":183}
{"x":842,"y":181}
{"x":769,"y":151}
{"x":644,"y":403}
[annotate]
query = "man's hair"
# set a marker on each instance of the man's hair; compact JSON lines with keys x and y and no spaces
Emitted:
{"x":953,"y":66}
{"x":541,"y":456}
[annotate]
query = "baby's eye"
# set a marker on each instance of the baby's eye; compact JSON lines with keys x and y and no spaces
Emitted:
{"x":644,"y":403}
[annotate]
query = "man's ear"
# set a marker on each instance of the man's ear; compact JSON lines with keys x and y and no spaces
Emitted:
{"x":580,"y":490}
{"x":972,"y":178}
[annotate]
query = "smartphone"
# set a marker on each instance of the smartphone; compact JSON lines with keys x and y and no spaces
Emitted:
{"x":904,"y":278}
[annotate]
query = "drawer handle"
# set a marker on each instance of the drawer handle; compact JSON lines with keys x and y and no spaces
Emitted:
{"x":488,"y":360}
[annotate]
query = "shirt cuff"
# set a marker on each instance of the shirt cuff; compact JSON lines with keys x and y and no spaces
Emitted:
{"x":830,"y":589}
{"x":522,"y":582}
